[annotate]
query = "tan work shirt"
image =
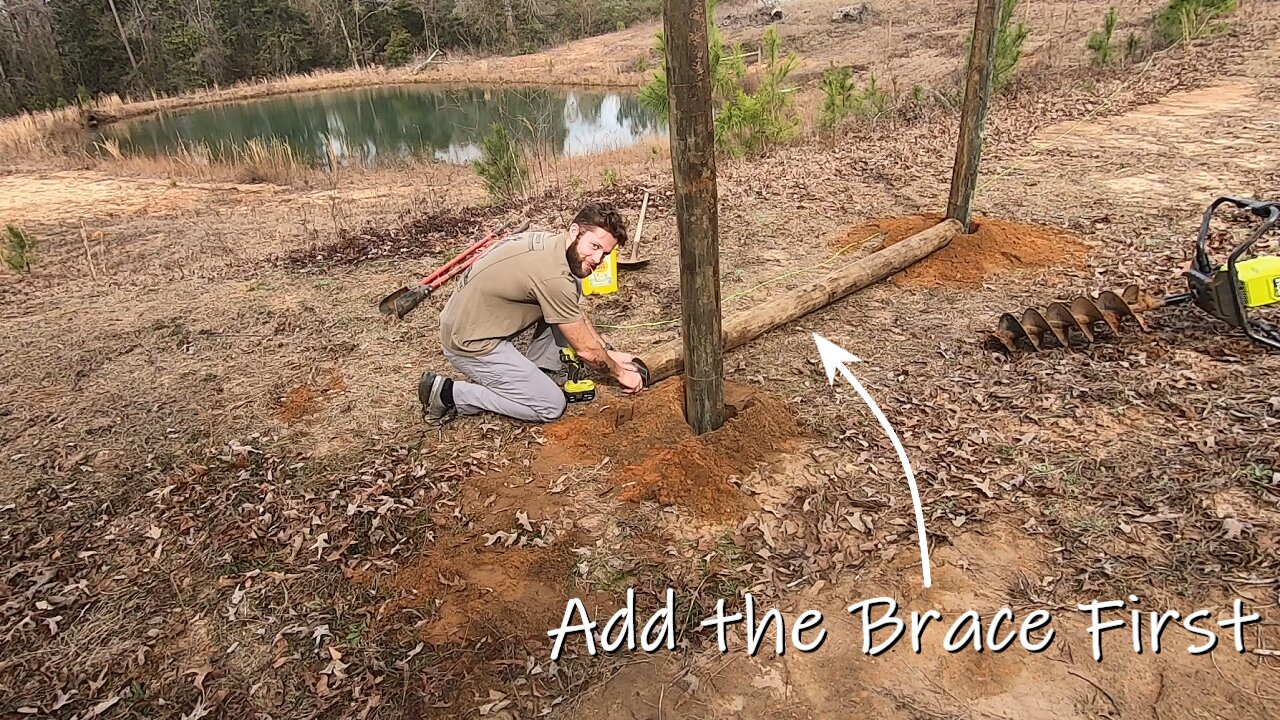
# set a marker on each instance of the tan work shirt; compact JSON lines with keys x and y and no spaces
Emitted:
{"x":512,"y":286}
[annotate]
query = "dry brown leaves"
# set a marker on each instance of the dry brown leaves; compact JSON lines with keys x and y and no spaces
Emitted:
{"x":441,"y":232}
{"x":112,"y":598}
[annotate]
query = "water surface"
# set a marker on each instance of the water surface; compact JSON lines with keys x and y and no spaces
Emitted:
{"x":383,"y":124}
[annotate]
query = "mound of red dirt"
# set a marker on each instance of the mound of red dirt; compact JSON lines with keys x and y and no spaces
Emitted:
{"x":304,"y":399}
{"x":467,"y":592}
{"x":994,"y":247}
{"x":656,"y":455}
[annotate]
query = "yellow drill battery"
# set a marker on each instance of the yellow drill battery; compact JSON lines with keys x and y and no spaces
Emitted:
{"x":576,"y":391}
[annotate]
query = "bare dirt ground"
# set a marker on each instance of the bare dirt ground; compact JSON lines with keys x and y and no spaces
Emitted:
{"x":219,"y":499}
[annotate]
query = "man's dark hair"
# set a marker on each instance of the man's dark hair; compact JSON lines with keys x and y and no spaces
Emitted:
{"x":605,"y":217}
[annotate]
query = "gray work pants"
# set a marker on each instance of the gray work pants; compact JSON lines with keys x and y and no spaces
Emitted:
{"x":511,"y":383}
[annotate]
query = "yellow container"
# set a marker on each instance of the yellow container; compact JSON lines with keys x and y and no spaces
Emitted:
{"x":605,"y":279}
{"x":1260,"y":280}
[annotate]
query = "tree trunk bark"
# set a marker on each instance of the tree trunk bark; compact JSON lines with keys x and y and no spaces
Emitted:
{"x":977,"y":94}
{"x":4,"y":80}
{"x":123,"y":38}
{"x":355,"y":13}
{"x":511,"y":19}
{"x":743,"y":327}
{"x":693,"y":164}
{"x":350,"y":48}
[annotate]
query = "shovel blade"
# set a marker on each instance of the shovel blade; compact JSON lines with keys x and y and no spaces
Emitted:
{"x":387,"y":306}
{"x":403,"y":301}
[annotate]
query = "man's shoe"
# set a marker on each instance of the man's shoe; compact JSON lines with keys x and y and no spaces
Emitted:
{"x":431,"y":394}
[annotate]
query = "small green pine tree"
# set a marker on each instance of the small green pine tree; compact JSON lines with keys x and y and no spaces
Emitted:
{"x":838,"y":90}
{"x":1132,"y":47}
{"x":399,"y":47}
{"x":1100,"y":42}
{"x":19,"y":249}
{"x":1008,"y":44}
{"x":1009,"y":39}
{"x":501,"y":165}
{"x":1191,"y":19}
{"x":727,"y":69}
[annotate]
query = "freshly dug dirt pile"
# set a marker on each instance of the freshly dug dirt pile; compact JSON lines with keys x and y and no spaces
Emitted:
{"x":659,"y":457}
{"x":305,"y":399}
{"x":995,"y":247}
{"x":300,"y":403}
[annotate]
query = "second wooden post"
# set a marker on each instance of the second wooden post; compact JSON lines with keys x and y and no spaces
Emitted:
{"x":693,"y":165}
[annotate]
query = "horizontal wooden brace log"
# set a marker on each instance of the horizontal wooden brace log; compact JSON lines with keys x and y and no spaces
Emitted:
{"x":743,"y":327}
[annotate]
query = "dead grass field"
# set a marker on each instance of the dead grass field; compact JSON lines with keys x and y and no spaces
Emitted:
{"x":219,"y":500}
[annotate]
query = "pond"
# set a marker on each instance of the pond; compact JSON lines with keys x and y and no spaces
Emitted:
{"x":386,"y":124}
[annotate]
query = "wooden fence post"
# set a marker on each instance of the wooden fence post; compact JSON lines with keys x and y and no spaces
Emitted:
{"x":693,"y":165}
{"x":977,"y":95}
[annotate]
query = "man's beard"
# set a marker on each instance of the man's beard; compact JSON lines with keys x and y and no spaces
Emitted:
{"x":575,"y":261}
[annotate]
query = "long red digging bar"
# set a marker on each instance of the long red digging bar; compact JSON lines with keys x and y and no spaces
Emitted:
{"x":461,"y":256}
{"x":442,"y":279}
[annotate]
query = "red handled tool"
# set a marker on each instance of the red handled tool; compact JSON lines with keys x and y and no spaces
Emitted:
{"x":404,"y":300}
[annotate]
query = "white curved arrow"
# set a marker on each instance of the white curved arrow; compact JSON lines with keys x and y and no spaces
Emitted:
{"x":833,"y":358}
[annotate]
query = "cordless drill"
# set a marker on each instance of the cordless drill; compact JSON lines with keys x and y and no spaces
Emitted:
{"x":579,"y":387}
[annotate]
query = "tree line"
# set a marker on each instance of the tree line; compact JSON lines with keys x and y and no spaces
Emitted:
{"x":62,"y":52}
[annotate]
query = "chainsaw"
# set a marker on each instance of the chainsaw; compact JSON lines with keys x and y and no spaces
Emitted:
{"x":1227,"y":291}
{"x":580,"y":388}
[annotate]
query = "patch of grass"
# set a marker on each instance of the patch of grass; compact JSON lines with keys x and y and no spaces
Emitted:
{"x":1186,"y":20}
{"x":19,"y":248}
{"x":268,"y":161}
{"x":35,"y":135}
{"x":354,"y":632}
{"x":1042,"y":469}
{"x":1262,"y":477}
{"x":609,"y":177}
{"x":1093,"y":526}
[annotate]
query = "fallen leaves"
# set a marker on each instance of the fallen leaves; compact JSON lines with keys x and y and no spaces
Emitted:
{"x":1233,"y":528}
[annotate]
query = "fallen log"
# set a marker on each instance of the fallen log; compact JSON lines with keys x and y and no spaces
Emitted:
{"x":743,"y":327}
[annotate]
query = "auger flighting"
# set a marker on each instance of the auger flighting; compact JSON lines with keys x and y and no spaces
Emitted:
{"x":1227,"y":291}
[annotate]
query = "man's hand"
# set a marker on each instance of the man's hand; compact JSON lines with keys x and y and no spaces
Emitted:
{"x":629,"y":378}
{"x":621,"y":358}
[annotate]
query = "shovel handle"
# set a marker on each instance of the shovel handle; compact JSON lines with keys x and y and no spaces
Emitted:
{"x":635,"y":246}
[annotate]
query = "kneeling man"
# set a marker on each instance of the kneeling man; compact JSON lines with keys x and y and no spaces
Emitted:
{"x":528,"y":282}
